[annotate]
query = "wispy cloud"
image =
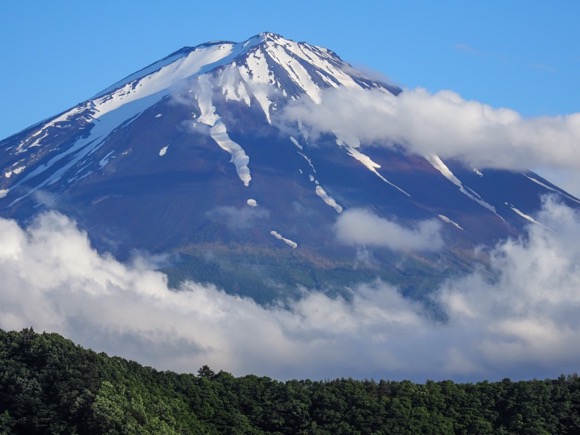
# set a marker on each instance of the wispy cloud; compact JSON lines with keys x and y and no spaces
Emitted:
{"x":502,"y":58}
{"x":524,"y":322}
{"x":238,"y":218}
{"x":539,"y":66}
{"x":466,"y":48}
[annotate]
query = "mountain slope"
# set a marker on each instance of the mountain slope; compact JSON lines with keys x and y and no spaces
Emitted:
{"x":192,"y":156}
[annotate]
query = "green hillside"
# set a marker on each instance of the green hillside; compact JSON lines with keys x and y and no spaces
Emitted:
{"x":50,"y":385}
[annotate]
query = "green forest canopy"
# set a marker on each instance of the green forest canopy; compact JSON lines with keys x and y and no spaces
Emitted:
{"x":50,"y":385}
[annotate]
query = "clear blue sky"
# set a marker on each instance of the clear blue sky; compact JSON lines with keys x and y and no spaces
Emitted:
{"x":519,"y":54}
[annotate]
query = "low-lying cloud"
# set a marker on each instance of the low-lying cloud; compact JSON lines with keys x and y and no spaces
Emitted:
{"x":238,"y":218}
{"x":444,"y":124}
{"x":523,"y":323}
{"x":363,"y":228}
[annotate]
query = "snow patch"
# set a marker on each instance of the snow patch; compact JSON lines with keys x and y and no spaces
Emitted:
{"x":438,"y":164}
{"x":163,"y":151}
{"x":327,"y":198}
{"x":541,"y":184}
{"x":352,"y":151}
{"x":36,"y":138}
{"x":162,"y":75}
{"x":289,"y":242}
{"x":204,"y":100}
{"x":324,"y":62}
{"x":14,"y":171}
{"x":218,"y":131}
{"x":449,"y":221}
{"x":252,"y":202}
{"x":552,"y":189}
{"x":239,"y":157}
{"x":159,"y":115}
{"x":296,"y":71}
{"x":259,"y":78}
{"x":305,"y":157}
{"x":295,"y":142}
{"x":3,"y":192}
{"x":233,"y":85}
{"x":103,"y":126}
{"x":522,"y":214}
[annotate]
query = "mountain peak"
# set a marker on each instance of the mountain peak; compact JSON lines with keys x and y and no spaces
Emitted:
{"x":185,"y":155}
{"x":269,"y":36}
{"x":263,"y":72}
{"x":288,"y":68}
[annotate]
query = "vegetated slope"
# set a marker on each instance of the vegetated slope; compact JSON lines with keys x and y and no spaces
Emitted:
{"x":50,"y":385}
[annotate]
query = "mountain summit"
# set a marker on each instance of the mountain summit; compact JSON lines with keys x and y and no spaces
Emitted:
{"x":195,"y":156}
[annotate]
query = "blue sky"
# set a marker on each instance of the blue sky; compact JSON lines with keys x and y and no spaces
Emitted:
{"x":518,"y":54}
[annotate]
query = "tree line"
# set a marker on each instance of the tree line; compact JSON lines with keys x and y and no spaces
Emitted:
{"x":50,"y":385}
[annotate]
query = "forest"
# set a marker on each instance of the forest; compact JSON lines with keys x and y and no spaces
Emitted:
{"x":50,"y":385}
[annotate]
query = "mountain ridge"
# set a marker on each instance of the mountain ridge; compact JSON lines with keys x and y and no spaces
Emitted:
{"x":189,"y":152}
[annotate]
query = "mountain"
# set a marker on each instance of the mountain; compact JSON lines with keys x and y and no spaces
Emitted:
{"x":192,"y":157}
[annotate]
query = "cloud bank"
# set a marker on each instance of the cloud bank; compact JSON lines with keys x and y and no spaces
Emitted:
{"x":444,"y":124}
{"x":523,"y":323}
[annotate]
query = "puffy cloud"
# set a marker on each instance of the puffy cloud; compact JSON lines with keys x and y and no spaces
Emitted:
{"x":522,"y":320}
{"x":362,"y":227}
{"x":444,"y":124}
{"x":530,"y":312}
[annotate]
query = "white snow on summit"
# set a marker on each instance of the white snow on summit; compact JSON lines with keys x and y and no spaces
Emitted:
{"x":260,"y":70}
{"x":257,"y":74}
{"x":35,"y":140}
{"x":83,"y":147}
{"x":295,"y":70}
{"x":219,"y":132}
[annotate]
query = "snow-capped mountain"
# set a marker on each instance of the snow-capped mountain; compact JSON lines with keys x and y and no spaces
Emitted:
{"x":189,"y":156}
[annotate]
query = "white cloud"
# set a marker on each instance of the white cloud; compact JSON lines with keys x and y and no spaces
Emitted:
{"x":362,"y":227}
{"x":444,"y":124}
{"x":530,"y":312}
{"x":523,"y":322}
